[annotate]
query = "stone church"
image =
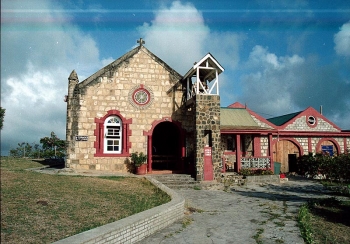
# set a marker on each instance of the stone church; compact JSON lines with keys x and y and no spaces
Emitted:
{"x":140,"y":104}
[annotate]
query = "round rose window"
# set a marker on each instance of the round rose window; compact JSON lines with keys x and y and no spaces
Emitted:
{"x":141,"y":96}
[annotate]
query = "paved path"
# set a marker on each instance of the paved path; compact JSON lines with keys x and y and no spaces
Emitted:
{"x":253,"y":214}
{"x":243,"y":215}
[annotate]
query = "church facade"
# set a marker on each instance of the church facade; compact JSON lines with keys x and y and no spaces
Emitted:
{"x":140,"y":104}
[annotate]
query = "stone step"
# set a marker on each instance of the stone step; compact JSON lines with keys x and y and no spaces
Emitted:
{"x":173,"y":178}
{"x":177,"y":181}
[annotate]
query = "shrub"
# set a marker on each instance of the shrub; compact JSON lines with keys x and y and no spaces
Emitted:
{"x":138,"y":158}
{"x":250,"y":171}
{"x":334,"y":167}
{"x":246,"y":172}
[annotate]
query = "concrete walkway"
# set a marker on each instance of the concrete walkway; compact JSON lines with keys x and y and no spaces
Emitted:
{"x":242,"y":214}
{"x":249,"y":214}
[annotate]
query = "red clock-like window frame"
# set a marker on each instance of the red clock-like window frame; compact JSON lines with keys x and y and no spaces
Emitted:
{"x":311,"y":120}
{"x":141,"y":96}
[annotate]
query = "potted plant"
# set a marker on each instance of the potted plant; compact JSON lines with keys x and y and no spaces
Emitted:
{"x":139,"y":160}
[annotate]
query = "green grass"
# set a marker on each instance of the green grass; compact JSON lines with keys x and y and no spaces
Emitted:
{"x":42,"y":208}
{"x":325,"y":221}
{"x":257,"y":236}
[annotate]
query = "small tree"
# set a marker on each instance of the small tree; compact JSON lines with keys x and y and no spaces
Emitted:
{"x":2,"y":115}
{"x":53,"y":146}
{"x":24,"y":149}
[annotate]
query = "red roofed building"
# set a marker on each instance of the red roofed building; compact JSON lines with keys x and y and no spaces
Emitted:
{"x":280,"y":139}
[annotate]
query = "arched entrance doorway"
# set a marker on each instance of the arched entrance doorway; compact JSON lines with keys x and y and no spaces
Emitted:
{"x":286,"y":152}
{"x":166,"y":147}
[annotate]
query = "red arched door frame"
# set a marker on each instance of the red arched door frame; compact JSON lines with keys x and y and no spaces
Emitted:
{"x":149,"y":134}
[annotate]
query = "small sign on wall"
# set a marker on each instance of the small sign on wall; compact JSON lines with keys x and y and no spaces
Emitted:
{"x":327,"y":149}
{"x":81,"y":138}
{"x":207,"y":151}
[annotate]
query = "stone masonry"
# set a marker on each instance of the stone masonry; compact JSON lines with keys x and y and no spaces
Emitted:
{"x":109,"y":90}
{"x":207,"y":112}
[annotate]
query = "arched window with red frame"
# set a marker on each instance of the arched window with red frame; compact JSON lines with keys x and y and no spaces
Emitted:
{"x":112,"y":135}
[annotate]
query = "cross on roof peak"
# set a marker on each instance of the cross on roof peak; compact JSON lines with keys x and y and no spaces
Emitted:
{"x":141,"y":41}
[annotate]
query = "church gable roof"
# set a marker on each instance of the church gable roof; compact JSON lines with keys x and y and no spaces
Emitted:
{"x":105,"y":71}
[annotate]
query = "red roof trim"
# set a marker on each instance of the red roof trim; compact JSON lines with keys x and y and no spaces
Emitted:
{"x":310,"y":111}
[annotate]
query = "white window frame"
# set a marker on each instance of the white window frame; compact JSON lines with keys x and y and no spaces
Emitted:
{"x":113,"y":136}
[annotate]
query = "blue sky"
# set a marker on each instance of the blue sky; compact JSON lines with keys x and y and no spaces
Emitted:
{"x":279,"y":56}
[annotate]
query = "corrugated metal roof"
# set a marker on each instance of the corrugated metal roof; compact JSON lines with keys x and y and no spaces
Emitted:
{"x":237,"y":118}
{"x":280,"y":120}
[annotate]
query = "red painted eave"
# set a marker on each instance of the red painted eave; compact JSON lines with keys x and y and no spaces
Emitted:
{"x":247,"y":131}
{"x":314,"y":133}
{"x":286,"y":133}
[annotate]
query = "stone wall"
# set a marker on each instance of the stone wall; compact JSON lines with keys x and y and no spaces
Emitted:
{"x":110,"y":90}
{"x":260,"y":123}
{"x":207,"y":110}
{"x":303,"y":141}
{"x":300,"y":124}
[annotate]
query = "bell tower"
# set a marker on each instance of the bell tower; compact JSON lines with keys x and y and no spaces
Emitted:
{"x":201,"y":84}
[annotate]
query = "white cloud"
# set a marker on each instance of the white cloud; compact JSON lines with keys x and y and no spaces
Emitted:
{"x":269,"y":80}
{"x":179,"y":32}
{"x":225,"y":48}
{"x":342,"y":40}
{"x":261,"y":57}
{"x":276,"y":85}
{"x":34,"y":86}
{"x":176,"y":33}
{"x":37,"y":58}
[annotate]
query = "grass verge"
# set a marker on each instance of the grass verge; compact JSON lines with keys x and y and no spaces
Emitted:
{"x":42,"y":208}
{"x":325,"y":221}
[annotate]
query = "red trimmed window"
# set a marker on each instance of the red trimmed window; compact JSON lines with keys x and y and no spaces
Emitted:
{"x":141,"y":96}
{"x":112,"y":135}
{"x":311,"y":121}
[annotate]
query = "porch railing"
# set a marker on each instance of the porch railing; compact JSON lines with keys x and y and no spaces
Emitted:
{"x":256,"y":162}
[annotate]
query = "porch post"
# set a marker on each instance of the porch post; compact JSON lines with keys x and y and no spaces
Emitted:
{"x":309,"y":146}
{"x":257,"y":146}
{"x":149,"y":149}
{"x":345,"y":146}
{"x":271,"y":153}
{"x":238,"y":152}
